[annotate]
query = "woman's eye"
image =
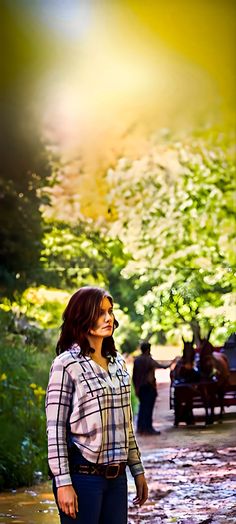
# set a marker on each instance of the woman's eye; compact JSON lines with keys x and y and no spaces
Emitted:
{"x":103,"y":312}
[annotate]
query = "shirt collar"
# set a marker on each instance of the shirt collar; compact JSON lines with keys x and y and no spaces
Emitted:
{"x":75,"y":347}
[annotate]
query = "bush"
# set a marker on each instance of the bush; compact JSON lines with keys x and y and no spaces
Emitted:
{"x":23,"y":379}
{"x":134,"y":401}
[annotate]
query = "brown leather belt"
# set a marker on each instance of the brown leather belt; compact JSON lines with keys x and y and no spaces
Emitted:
{"x":111,"y":471}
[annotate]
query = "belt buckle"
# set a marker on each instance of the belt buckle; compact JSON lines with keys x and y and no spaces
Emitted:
{"x":110,"y":467}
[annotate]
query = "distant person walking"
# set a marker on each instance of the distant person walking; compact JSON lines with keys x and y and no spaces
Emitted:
{"x":145,"y":388}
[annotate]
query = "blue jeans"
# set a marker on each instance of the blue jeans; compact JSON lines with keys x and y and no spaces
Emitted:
{"x":101,"y":500}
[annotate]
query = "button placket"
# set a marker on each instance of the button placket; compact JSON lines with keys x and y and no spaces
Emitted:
{"x":112,"y":368}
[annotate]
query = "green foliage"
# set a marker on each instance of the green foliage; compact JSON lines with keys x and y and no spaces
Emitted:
{"x":24,"y":169}
{"x":84,"y":254}
{"x":134,"y":401}
{"x":25,"y":165}
{"x":127,"y":336}
{"x":23,"y":378}
{"x":43,"y":307}
{"x":173,"y":209}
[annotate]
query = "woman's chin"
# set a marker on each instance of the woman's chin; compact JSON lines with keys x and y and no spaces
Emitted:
{"x":107,"y":332}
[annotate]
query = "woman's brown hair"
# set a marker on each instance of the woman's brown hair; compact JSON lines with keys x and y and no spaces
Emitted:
{"x":81,"y":313}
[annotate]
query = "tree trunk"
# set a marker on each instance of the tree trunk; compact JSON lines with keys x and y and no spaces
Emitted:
{"x":195,"y":326}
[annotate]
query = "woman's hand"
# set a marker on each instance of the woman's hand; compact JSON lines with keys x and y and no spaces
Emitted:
{"x":67,"y":500}
{"x":141,"y":490}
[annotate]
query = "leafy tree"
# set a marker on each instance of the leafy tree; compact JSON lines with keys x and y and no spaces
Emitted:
{"x":24,"y":167}
{"x":83,"y":253}
{"x":173,"y":209}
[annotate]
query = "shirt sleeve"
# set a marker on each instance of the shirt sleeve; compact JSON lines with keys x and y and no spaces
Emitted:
{"x":157,"y":365}
{"x":134,"y":455}
{"x":58,"y":404}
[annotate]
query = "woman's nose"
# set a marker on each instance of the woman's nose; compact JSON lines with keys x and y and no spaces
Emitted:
{"x":107,"y":315}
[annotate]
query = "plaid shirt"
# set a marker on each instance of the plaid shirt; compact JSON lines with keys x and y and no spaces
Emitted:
{"x":91,"y":408}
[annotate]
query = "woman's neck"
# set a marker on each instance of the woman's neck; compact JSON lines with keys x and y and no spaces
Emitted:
{"x":96,"y":344}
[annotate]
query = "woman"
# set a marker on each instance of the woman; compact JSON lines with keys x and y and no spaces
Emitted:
{"x":89,"y":422}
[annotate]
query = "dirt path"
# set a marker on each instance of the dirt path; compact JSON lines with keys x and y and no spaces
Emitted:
{"x":191,"y":471}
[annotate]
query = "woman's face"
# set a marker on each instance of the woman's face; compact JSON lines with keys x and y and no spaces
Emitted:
{"x":105,"y":322}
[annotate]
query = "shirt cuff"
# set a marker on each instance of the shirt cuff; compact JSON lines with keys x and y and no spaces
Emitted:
{"x":136,"y":469}
{"x":63,"y":480}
